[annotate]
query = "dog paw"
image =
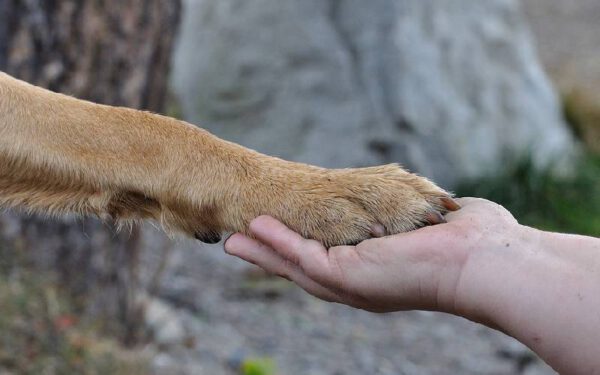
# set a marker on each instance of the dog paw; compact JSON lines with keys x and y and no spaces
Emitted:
{"x":347,"y":206}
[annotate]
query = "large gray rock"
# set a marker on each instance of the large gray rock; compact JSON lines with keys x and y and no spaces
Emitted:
{"x":449,"y":88}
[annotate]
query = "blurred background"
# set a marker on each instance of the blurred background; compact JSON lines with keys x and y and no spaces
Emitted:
{"x":496,"y":99}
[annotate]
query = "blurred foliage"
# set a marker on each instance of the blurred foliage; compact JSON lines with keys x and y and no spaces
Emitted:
{"x":543,"y":200}
{"x":583,"y":114}
{"x":40,"y":333}
{"x":258,"y":366}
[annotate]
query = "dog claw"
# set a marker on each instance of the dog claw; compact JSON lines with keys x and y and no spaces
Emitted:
{"x":434,"y":218}
{"x":378,"y":230}
{"x":208,"y":237}
{"x":450,"y":204}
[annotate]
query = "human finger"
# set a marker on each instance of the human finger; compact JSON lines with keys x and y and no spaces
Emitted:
{"x":265,"y":257}
{"x":309,"y":255}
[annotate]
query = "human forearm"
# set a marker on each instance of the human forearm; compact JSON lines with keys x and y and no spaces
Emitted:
{"x":541,"y":288}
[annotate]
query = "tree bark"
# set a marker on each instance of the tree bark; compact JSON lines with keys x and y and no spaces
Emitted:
{"x":114,"y":52}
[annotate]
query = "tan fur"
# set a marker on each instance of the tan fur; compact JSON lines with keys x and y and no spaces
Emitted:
{"x":62,"y":155}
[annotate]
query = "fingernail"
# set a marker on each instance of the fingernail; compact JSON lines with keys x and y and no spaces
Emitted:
{"x":230,"y":246}
{"x":227,"y":237}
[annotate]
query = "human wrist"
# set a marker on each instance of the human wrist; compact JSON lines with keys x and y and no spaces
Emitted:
{"x":494,"y":270}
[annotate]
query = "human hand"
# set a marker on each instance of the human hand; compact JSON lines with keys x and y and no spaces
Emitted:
{"x":538,"y":287}
{"x":417,"y":270}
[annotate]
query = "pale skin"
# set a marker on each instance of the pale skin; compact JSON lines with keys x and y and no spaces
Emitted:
{"x":541,"y":288}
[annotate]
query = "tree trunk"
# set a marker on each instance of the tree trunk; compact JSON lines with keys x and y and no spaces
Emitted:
{"x":108,"y":51}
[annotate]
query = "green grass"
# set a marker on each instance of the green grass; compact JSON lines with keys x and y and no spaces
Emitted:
{"x":258,"y":366}
{"x":540,"y":198}
{"x":543,"y":200}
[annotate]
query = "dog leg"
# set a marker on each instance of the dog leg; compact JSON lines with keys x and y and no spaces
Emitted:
{"x":62,"y":155}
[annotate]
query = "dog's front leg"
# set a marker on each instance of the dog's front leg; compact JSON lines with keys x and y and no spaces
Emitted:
{"x":59,"y":154}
